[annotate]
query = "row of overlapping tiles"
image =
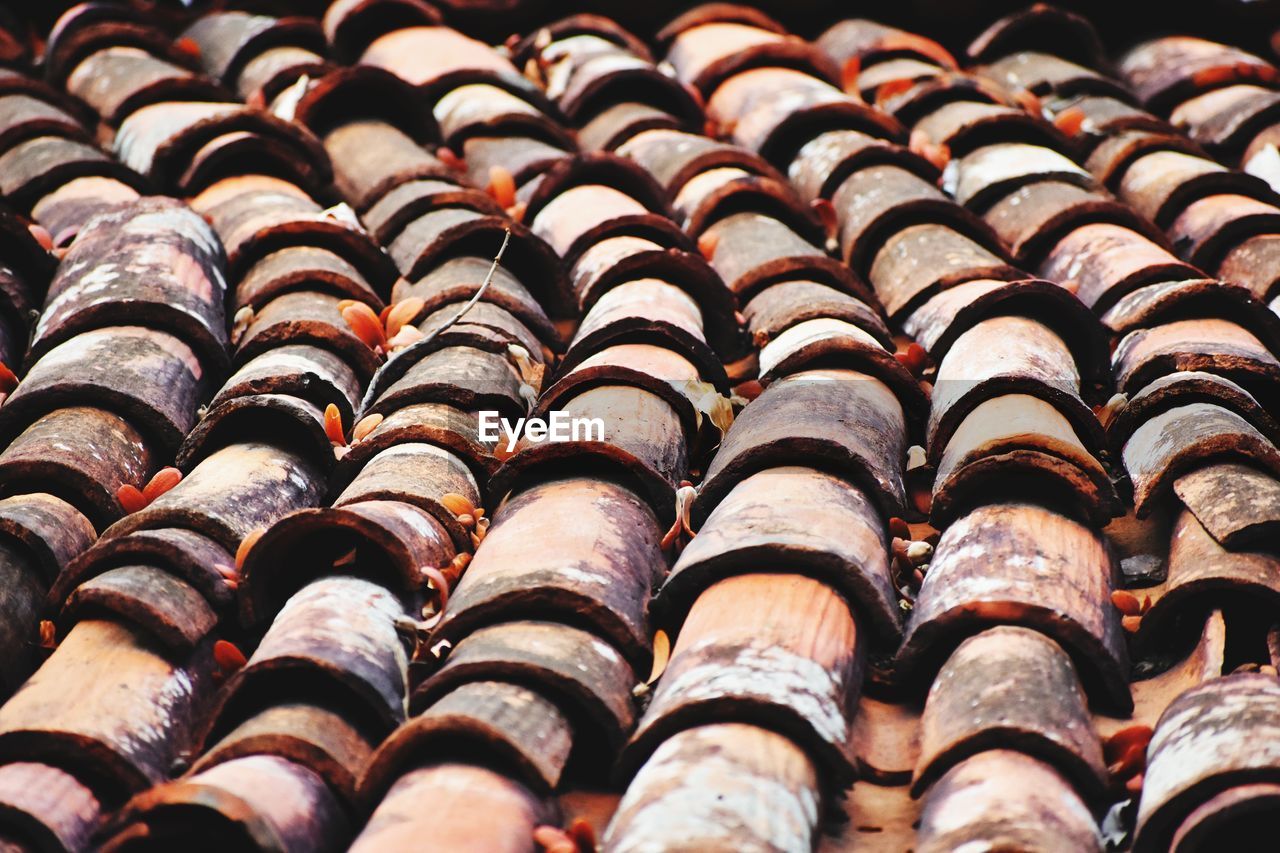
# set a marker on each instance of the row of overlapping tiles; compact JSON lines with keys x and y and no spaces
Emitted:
{"x":549,"y":634}
{"x":1181,"y":336}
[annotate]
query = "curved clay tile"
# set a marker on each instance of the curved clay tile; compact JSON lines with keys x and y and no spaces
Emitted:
{"x":1212,"y":737}
{"x":156,"y":140}
{"x":762,"y":787}
{"x":781,"y":306}
{"x":840,"y":420}
{"x":192,"y":557}
{"x":1210,"y":227}
{"x":445,"y":426}
{"x":420,"y":474}
{"x":920,"y":261}
{"x":1238,"y":505}
{"x":334,"y":638}
{"x":150,"y":377}
{"x":1102,"y":262}
{"x":1210,"y":344}
{"x":146,"y":597}
{"x":475,"y":805}
{"x":1040,"y":26}
{"x":965,"y":126}
{"x":803,"y":518}
{"x":1031,"y":220}
{"x":615,"y":125}
{"x":24,"y":117}
{"x":259,"y":801}
{"x":1203,"y":576}
{"x":113,"y":453}
{"x":1120,"y":140}
{"x":90,"y":725}
{"x":1161,"y":185}
{"x":706,"y":55}
{"x":34,"y":168}
{"x":600,"y":528}
{"x":352,"y":25}
{"x":228,"y":41}
{"x":1004,"y":798}
{"x":1045,"y":74}
{"x":1255,"y":264}
{"x":49,"y":804}
{"x":823,"y":163}
{"x":463,"y":376}
{"x":984,"y":176}
{"x":795,"y":668}
{"x":1170,"y":443}
{"x":1056,"y":577}
{"x":657,"y":370}
{"x":577,"y":669}
{"x":305,"y":317}
{"x":503,"y":722}
{"x":1009,"y":688}
{"x":1004,"y":355}
{"x":118,"y":81}
{"x":1025,"y":445}
{"x":231,"y":493}
{"x":393,"y":540}
{"x":876,"y":202}
{"x":832,"y":343}
{"x":152,"y":262}
{"x":282,"y":418}
{"x":316,"y":736}
{"x":751,"y":250}
{"x":869,"y":43}
{"x":1184,"y":387}
{"x":310,"y":373}
{"x":1167,"y":71}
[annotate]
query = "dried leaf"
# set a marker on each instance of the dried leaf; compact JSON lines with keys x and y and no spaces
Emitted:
{"x":1124,"y":740}
{"x":41,"y":236}
{"x":502,"y":186}
{"x":364,"y":426}
{"x":343,"y":213}
{"x":438,"y":584}
{"x":131,"y":498}
{"x":228,"y":657}
{"x":707,"y":401}
{"x":849,"y":73}
{"x":240,"y":323}
{"x":164,"y":480}
{"x":457,"y":504}
{"x":661,"y":655}
{"x":531,"y":372}
{"x":333,"y":425}
{"x":554,"y":840}
{"x":1126,"y":602}
{"x":681,"y":529}
{"x":583,"y":835}
{"x":707,"y":243}
{"x":285,"y":105}
{"x":404,"y":311}
{"x":1070,"y":120}
{"x":365,"y":324}
{"x":246,"y":544}
{"x":406,"y":337}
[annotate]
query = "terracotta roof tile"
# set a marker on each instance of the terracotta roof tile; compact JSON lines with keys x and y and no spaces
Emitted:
{"x":872,"y":501}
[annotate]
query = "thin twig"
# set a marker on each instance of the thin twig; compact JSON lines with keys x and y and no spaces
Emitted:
{"x":493,"y":268}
